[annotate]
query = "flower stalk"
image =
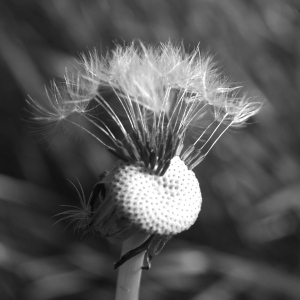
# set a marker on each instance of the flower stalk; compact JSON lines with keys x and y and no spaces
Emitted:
{"x":129,"y":273}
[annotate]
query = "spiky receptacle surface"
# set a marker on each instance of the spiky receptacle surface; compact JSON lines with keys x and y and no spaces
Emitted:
{"x":165,"y":205}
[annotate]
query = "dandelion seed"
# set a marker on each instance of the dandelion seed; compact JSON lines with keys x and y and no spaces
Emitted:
{"x":160,"y":95}
{"x":79,"y":215}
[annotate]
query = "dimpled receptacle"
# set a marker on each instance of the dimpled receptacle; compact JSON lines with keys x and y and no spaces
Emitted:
{"x":164,"y":205}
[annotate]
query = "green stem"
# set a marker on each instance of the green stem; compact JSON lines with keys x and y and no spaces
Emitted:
{"x":129,"y":276}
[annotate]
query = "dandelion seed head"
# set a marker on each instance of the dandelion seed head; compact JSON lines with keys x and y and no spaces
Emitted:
{"x":163,"y":94}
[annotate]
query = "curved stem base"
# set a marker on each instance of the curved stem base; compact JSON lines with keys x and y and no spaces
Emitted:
{"x":129,"y":276}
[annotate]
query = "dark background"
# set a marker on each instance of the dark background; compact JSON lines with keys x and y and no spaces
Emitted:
{"x":245,"y":244}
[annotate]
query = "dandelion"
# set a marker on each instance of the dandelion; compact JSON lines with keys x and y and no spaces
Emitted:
{"x":168,"y":109}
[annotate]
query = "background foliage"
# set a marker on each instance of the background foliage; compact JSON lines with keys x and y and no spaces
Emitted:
{"x":245,"y":244}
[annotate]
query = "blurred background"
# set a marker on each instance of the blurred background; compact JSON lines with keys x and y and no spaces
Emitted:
{"x":245,"y":244}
